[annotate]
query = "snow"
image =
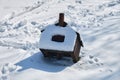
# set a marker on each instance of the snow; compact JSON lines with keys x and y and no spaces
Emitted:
{"x":10,"y":54}
{"x":97,"y":21}
{"x":68,"y":43}
{"x":9,"y":7}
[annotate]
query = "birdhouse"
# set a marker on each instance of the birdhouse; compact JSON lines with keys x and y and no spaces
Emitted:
{"x":59,"y":40}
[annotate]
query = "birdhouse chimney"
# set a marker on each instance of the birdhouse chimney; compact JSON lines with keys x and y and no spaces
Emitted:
{"x":61,"y":20}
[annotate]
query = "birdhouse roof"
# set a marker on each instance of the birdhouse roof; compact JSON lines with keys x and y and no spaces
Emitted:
{"x":52,"y":30}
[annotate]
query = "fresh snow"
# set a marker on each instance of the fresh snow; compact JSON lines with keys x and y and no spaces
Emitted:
{"x":97,"y":21}
{"x":68,"y":43}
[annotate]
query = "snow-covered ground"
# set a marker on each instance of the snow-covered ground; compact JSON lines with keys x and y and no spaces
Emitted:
{"x":97,"y":21}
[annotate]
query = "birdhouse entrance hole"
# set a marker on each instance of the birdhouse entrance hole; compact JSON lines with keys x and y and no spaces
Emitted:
{"x":58,"y":38}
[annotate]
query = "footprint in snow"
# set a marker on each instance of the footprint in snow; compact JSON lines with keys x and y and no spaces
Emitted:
{"x":91,"y":62}
{"x":91,"y":57}
{"x":94,"y":60}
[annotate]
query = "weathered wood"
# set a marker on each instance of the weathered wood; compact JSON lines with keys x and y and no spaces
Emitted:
{"x":75,"y":55}
{"x":61,"y":22}
{"x":61,"y":19}
{"x":59,"y":38}
{"x":59,"y":54}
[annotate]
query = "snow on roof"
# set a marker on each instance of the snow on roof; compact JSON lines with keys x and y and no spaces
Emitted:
{"x":46,"y":38}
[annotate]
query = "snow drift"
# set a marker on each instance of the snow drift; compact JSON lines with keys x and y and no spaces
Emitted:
{"x":97,"y":21}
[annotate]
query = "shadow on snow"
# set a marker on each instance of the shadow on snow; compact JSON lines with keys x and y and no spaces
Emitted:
{"x":37,"y":61}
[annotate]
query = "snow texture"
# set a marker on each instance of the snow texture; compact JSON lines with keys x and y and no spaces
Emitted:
{"x":97,"y":21}
{"x":68,"y":43}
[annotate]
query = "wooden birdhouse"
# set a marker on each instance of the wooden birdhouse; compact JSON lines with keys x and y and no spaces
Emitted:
{"x":59,"y":40}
